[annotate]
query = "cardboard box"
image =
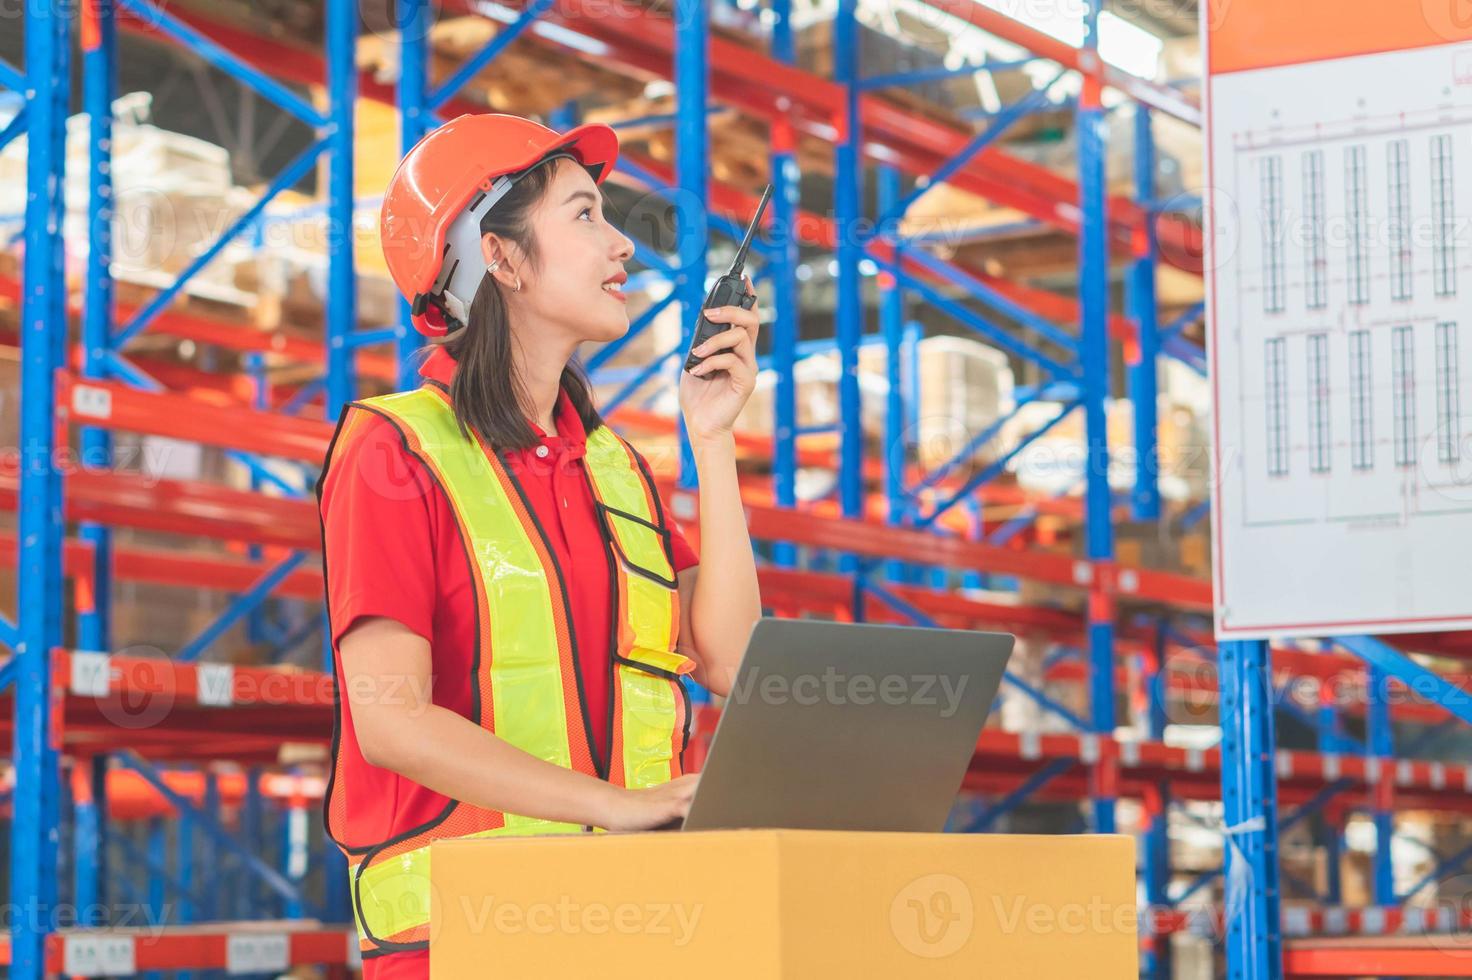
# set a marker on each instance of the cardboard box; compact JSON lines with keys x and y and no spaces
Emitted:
{"x":785,"y":904}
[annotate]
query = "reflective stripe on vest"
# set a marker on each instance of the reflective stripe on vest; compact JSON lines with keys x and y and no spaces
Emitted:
{"x":526,"y":682}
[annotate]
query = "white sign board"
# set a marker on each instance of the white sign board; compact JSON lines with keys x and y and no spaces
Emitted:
{"x":1339,"y":311}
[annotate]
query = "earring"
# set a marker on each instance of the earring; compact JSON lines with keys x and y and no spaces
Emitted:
{"x":491,"y":269}
{"x":518,"y":285}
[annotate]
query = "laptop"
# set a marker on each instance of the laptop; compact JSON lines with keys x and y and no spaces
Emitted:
{"x":848,"y":726}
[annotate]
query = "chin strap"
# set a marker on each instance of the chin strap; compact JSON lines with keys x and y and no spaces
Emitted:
{"x":450,"y":308}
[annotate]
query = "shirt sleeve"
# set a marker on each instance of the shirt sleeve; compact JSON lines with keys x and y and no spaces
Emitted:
{"x":377,"y":529}
{"x":683,"y":554}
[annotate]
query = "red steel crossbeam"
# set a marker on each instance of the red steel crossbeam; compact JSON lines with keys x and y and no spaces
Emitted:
{"x":1370,"y":929}
{"x":1142,"y":90}
{"x":180,"y":506}
{"x":813,"y":229}
{"x":1187,"y":683}
{"x":202,"y":947}
{"x":158,"y":706}
{"x":165,"y":710}
{"x":769,"y":90}
{"x":1432,"y":956}
{"x":186,"y":507}
{"x":115,"y":405}
{"x":158,"y":566}
{"x":229,"y":335}
{"x":297,"y":705}
{"x":883,"y":541}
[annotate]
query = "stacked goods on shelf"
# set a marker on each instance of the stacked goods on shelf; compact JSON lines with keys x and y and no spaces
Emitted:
{"x":965,"y":386}
{"x":892,"y":41}
{"x":172,"y":196}
{"x":816,"y":379}
{"x":525,"y":78}
{"x":158,"y":620}
{"x":1020,"y":713}
{"x":1423,"y":838}
{"x":948,"y":215}
{"x":1192,"y":957}
{"x":1161,"y":546}
{"x":1054,"y":462}
{"x":1302,"y":860}
{"x":1196,"y":849}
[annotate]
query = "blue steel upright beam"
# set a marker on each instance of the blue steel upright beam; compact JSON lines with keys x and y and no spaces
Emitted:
{"x":35,"y":805}
{"x":1094,"y":356}
{"x":1380,"y":741}
{"x":99,"y":57}
{"x":781,"y":267}
{"x":341,"y":310}
{"x":1142,"y":376}
{"x":1250,"y":812}
{"x":1155,"y":961}
{"x":892,"y":326}
{"x":848,"y":312}
{"x":342,"y":294}
{"x":692,"y":174}
{"x":415,"y":119}
{"x":89,"y":845}
{"x":94,"y":628}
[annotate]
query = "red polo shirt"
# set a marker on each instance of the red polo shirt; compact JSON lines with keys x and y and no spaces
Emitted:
{"x":392,"y":549}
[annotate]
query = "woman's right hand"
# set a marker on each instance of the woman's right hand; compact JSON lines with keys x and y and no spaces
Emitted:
{"x":643,"y":809}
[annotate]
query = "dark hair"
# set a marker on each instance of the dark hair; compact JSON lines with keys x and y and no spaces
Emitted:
{"x":486,"y":392}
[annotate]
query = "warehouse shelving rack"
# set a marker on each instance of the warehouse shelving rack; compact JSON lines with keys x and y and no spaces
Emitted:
{"x":877,"y":534}
{"x":74,"y":710}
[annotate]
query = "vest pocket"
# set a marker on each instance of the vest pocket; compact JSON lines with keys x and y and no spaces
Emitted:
{"x":662,"y":663}
{"x":643,"y":548}
{"x":656,"y":713}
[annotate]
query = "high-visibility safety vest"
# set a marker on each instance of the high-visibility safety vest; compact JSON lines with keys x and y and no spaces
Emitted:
{"x":526,"y":683}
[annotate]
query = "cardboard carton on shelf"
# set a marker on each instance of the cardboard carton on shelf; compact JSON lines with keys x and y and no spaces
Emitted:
{"x":785,"y":904}
{"x":1054,"y":462}
{"x":964,"y":387}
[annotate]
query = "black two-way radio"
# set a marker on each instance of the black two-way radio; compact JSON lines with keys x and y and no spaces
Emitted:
{"x":728,"y":290}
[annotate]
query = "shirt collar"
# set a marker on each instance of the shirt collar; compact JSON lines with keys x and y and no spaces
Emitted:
{"x":440,"y":366}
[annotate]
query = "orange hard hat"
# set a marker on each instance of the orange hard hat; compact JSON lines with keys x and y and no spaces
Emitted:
{"x":451,"y":177}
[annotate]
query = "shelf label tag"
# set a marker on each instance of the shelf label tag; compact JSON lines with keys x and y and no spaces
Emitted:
{"x":86,"y":955}
{"x":256,"y":952}
{"x":91,"y":673}
{"x":216,"y":684}
{"x":93,"y":402}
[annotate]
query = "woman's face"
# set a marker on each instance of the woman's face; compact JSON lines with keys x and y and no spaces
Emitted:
{"x":578,"y":281}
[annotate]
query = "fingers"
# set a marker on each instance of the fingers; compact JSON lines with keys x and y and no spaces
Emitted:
{"x":736,"y":316}
{"x":721,"y":341}
{"x":719,"y":362}
{"x":735,"y":340}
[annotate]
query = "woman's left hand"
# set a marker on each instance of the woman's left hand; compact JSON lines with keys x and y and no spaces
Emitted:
{"x":712,"y":396}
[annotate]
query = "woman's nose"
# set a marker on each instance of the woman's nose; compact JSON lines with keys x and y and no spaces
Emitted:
{"x":624,"y":246}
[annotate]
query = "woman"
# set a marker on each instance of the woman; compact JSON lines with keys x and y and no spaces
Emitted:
{"x":512,"y":610}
